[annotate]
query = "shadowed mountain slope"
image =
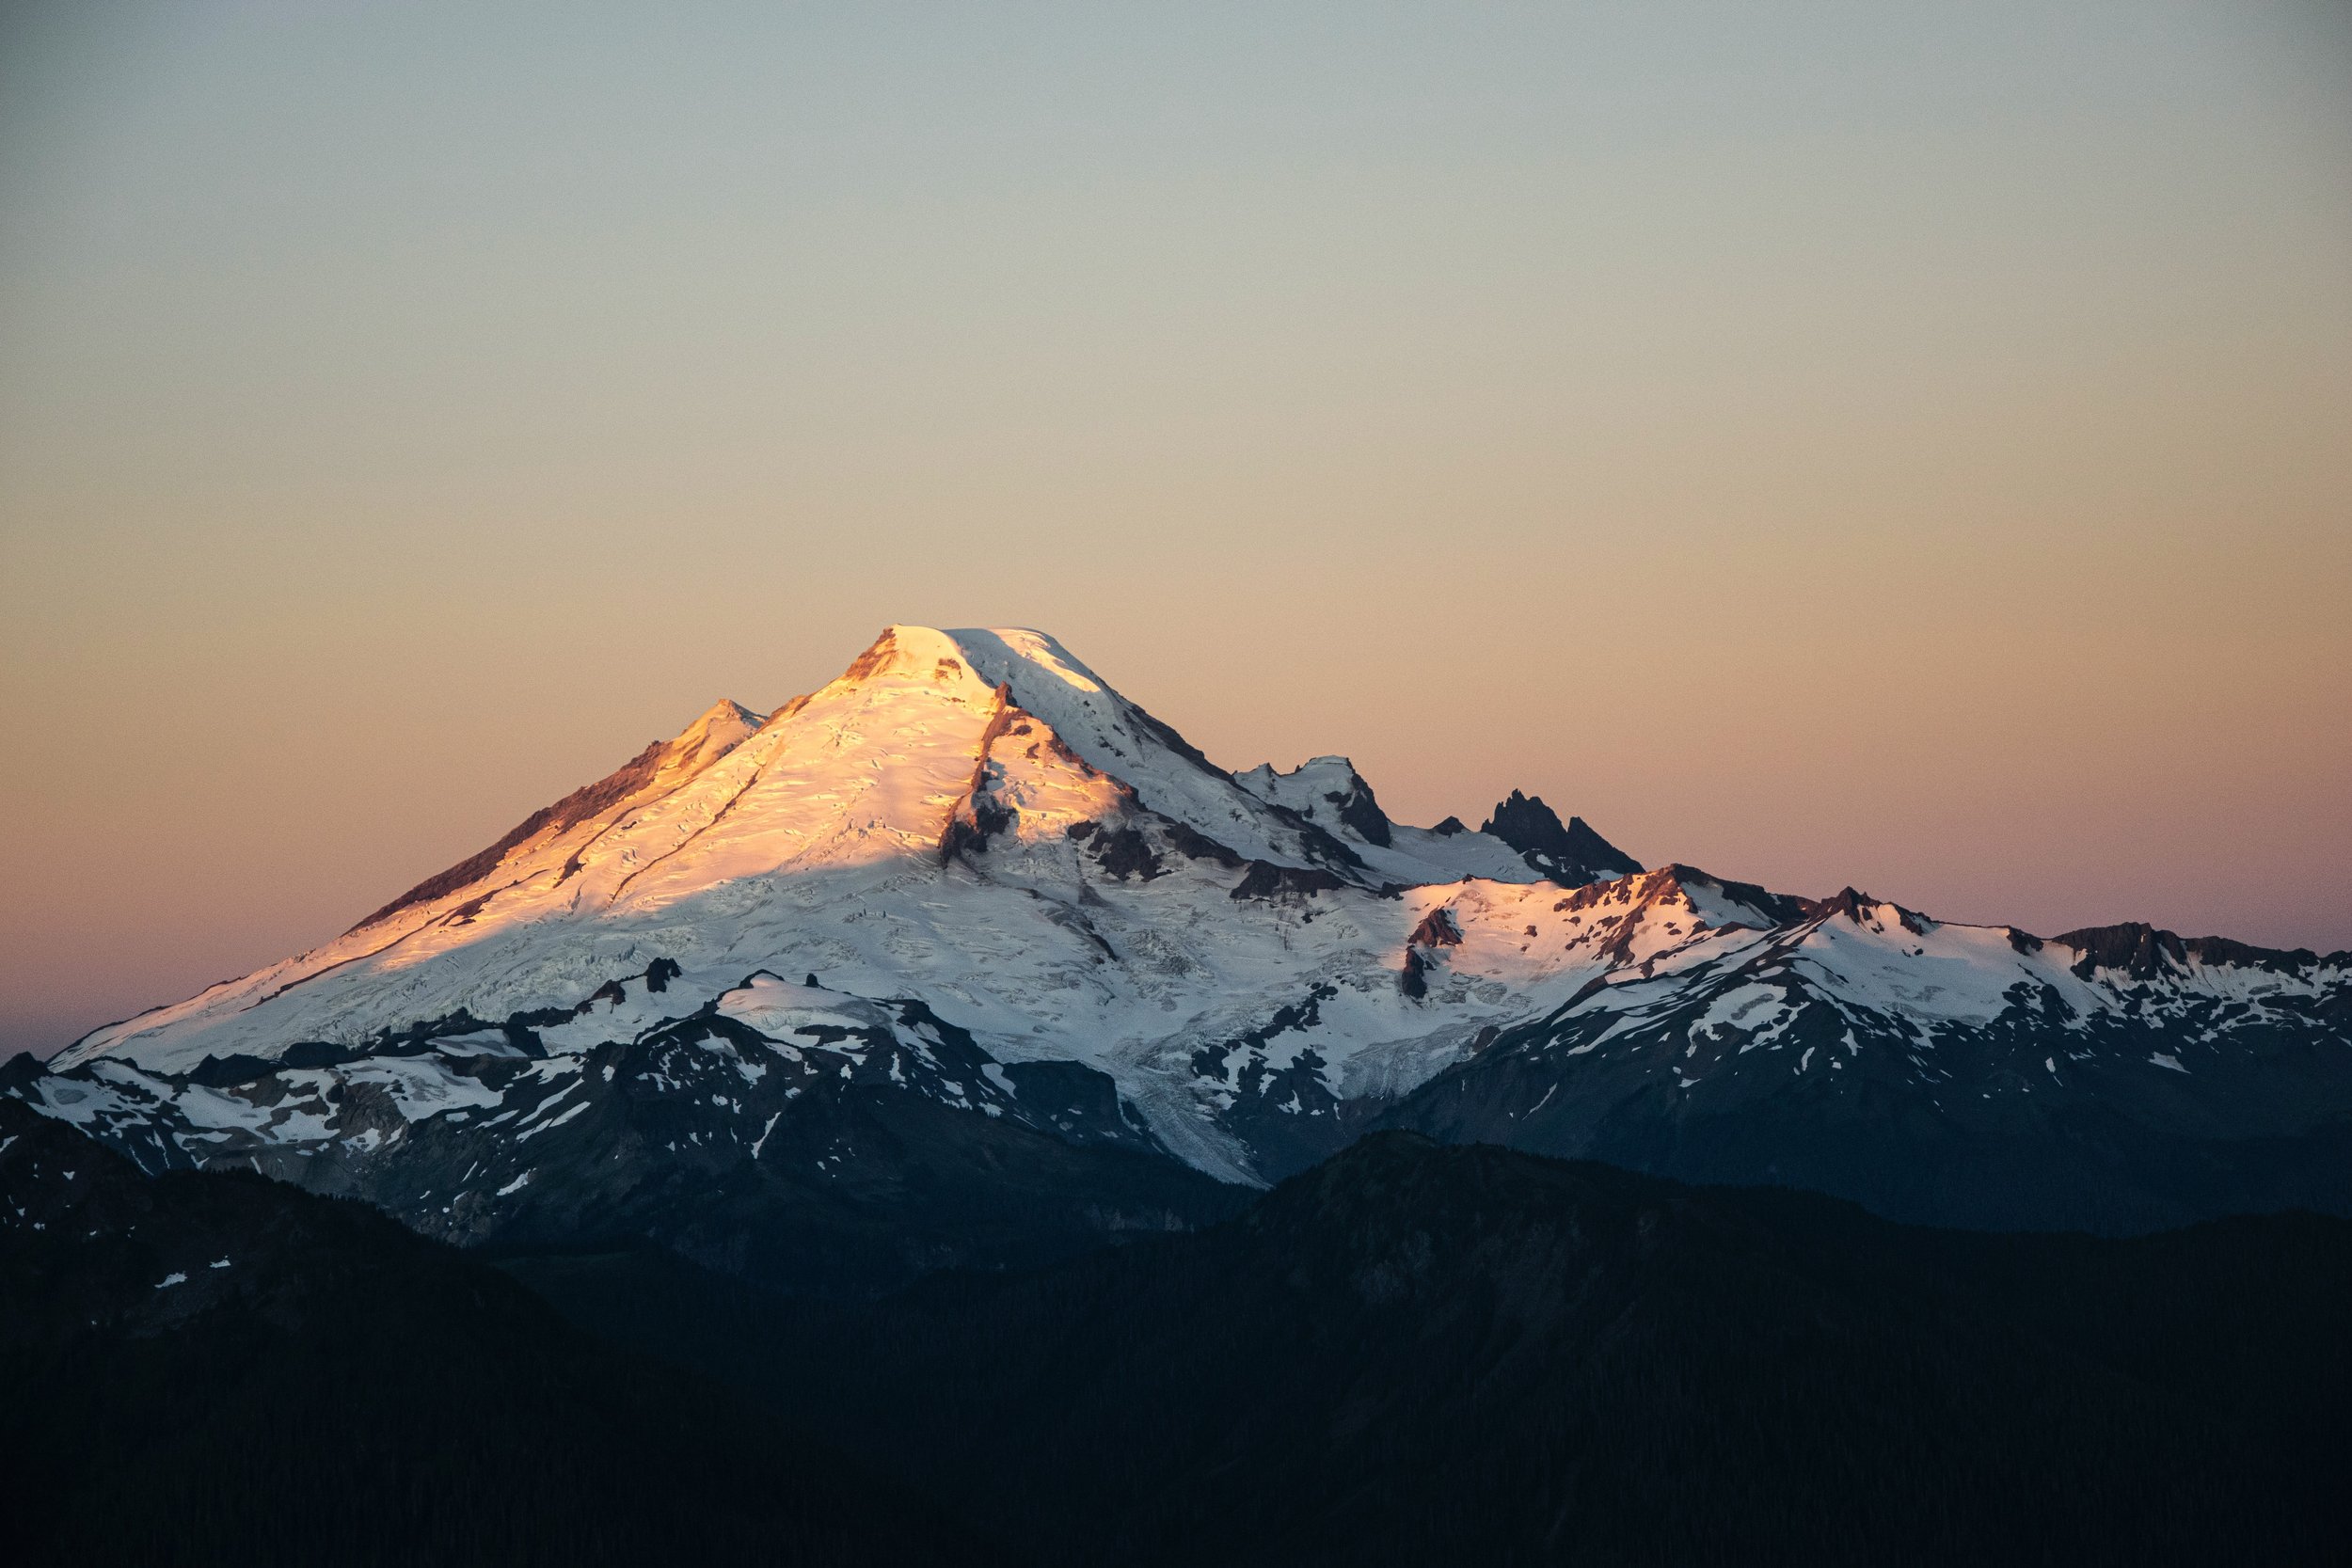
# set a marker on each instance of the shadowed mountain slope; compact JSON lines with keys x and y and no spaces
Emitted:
{"x":217,"y":1368}
{"x":1415,"y":1353}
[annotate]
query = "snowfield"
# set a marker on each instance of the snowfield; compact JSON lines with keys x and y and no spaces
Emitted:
{"x":971,"y":854}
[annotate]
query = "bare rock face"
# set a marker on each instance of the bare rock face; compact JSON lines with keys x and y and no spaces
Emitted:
{"x":1570,"y":856}
{"x":1437,"y":929}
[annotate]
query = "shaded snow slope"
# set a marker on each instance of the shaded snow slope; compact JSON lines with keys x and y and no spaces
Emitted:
{"x":1964,"y":1075}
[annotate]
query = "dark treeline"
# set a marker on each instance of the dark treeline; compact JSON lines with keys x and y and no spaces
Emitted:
{"x":345,"y":1392}
{"x":1418,"y":1355}
{"x":1412,"y":1354}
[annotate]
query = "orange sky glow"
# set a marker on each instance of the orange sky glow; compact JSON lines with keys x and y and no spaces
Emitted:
{"x":1913,"y":452}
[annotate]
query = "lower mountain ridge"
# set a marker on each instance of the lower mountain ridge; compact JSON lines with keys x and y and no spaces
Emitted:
{"x":1419,"y":1353}
{"x":219,"y":1369}
{"x":882,"y":1146}
{"x":2204,"y":1090}
{"x":1413,"y":1353}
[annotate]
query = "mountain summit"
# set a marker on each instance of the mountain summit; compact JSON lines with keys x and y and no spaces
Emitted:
{"x":1573,"y":854}
{"x":941,"y":771}
{"x":964,"y":953}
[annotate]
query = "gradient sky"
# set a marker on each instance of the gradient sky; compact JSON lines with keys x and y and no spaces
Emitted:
{"x":1908,"y":446}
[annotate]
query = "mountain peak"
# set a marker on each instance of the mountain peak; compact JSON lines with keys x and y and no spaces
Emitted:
{"x":2138,"y":950}
{"x":721,"y":728}
{"x":920,"y":654}
{"x":1572,"y":855}
{"x":1044,"y":677}
{"x":1326,"y":789}
{"x":1861,"y":908}
{"x":999,"y":650}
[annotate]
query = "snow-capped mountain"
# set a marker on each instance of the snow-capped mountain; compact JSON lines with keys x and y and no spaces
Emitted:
{"x":2118,"y":1079}
{"x":969,"y":899}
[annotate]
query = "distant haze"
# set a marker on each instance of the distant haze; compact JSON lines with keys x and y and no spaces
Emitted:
{"x":1906,"y":446}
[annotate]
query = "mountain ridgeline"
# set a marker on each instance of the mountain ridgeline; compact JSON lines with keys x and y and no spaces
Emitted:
{"x":964,"y":961}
